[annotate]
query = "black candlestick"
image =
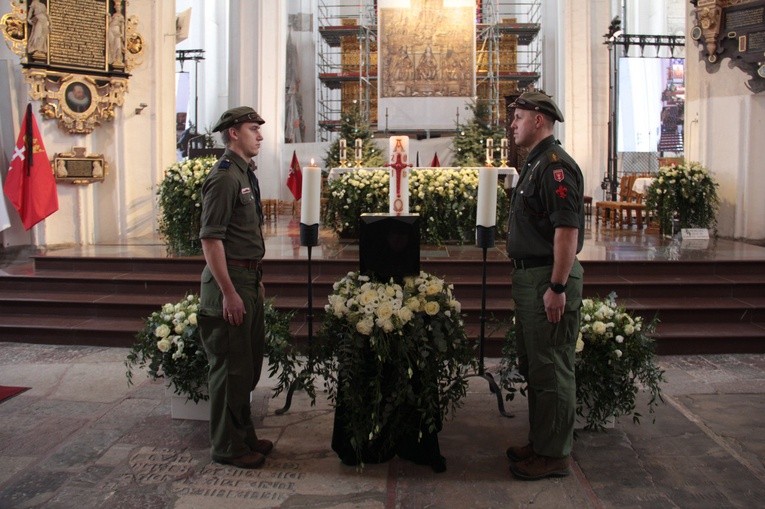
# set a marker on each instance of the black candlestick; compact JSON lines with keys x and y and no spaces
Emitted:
{"x":309,"y":237}
{"x":484,"y":238}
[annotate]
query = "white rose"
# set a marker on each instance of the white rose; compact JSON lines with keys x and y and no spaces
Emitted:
{"x":179,"y":328}
{"x":405,"y":314}
{"x":455,"y":305}
{"x":579,"y":344}
{"x":164,"y":345}
{"x":162,"y":331}
{"x":384,"y":311}
{"x":413,"y":303}
{"x":618,"y":354}
{"x":599,"y":328}
{"x":193,"y":318}
{"x":432,"y":308}
{"x":365,"y":326}
{"x":386,"y":325}
{"x":620,"y":339}
{"x":629,"y":329}
{"x":433,"y":288}
{"x":168,"y":308}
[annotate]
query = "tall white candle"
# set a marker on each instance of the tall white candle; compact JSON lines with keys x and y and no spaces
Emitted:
{"x":358,"y":152}
{"x":311,"y":199}
{"x":489,"y":151}
{"x":486,"y":214}
{"x":503,"y":149}
{"x":343,"y":150}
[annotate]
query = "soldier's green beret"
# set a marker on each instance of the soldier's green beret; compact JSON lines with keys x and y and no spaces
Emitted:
{"x":538,"y":101}
{"x":237,"y":115}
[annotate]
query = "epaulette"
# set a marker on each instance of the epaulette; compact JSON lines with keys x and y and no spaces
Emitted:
{"x":224,"y":164}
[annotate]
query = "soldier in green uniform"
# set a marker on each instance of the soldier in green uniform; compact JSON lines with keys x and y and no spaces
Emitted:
{"x":231,"y":314}
{"x":545,"y":232}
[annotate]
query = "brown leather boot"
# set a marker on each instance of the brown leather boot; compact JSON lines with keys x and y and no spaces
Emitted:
{"x":540,"y":467}
{"x":520,"y":453}
{"x":250,"y":460}
{"x":263,"y":446}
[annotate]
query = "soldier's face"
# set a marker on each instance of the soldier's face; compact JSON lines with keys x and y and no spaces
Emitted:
{"x":524,"y":127}
{"x":247,"y":139}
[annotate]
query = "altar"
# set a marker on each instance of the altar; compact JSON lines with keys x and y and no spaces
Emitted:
{"x":501,"y":171}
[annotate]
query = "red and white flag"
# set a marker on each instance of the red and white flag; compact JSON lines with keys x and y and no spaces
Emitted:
{"x":30,"y":185}
{"x":435,"y":163}
{"x":295,"y":178}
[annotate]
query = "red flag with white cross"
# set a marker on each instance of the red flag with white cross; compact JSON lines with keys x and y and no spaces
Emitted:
{"x":30,"y":184}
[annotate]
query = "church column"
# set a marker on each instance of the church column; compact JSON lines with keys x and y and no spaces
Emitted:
{"x":256,"y":78}
{"x":582,"y":86}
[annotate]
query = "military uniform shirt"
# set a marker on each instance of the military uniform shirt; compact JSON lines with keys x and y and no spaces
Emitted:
{"x":230,"y":209}
{"x":549,"y":194}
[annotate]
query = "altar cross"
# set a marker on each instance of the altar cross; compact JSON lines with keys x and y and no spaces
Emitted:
{"x":398,"y":167}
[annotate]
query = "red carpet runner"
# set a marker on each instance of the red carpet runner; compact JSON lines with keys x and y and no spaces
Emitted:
{"x":9,"y":392}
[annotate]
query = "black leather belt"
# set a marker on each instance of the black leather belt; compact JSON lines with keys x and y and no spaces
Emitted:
{"x":247,"y":264}
{"x":530,"y":263}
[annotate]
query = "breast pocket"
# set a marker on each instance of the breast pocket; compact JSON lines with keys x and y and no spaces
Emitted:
{"x":247,"y":208}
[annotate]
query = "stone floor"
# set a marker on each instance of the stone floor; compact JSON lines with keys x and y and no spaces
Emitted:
{"x":80,"y":437}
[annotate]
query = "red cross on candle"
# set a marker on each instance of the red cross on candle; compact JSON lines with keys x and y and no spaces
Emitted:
{"x":398,"y":166}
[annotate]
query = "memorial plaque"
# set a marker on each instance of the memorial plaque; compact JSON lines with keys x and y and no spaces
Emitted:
{"x":86,"y":51}
{"x":77,"y":168}
{"x":734,"y":29}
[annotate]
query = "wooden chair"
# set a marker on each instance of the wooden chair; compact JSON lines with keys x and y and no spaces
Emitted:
{"x":610,"y":210}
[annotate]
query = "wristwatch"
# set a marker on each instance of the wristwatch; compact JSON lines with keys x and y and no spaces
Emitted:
{"x":557,"y":287}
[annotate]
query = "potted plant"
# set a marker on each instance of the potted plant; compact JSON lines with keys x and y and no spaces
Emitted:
{"x":685,"y":193}
{"x":180,"y":198}
{"x":169,"y":347}
{"x":614,"y":362}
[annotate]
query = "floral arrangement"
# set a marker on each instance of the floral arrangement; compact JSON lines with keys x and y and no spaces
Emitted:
{"x":686,"y":192}
{"x":614,"y":361}
{"x":169,"y":347}
{"x":407,"y":341}
{"x":180,"y":198}
{"x":446,"y":200}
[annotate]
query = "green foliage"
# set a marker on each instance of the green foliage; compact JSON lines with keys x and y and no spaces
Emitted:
{"x":686,"y":192}
{"x":353,"y":126}
{"x":180,"y":198}
{"x":169,"y":347}
{"x":469,"y":145}
{"x":614,"y":361}
{"x":397,"y":347}
{"x":445,"y":199}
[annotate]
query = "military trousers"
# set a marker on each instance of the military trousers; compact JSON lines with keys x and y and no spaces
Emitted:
{"x":235,"y":356}
{"x":546,"y":358}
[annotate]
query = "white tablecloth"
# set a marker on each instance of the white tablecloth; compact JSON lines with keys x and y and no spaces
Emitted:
{"x":642,"y":184}
{"x":336,"y":172}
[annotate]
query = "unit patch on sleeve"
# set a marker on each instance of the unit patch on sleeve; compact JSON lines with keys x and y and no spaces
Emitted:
{"x":562,"y":191}
{"x":558,"y":175}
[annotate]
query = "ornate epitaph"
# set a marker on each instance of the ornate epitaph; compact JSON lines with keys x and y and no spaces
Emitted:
{"x":76,"y":55}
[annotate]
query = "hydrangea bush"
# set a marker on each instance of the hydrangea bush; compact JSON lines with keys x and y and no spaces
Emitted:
{"x":446,"y":200}
{"x":614,"y":362}
{"x":180,"y":198}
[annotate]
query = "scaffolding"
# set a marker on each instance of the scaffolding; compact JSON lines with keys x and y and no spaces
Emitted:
{"x":508,"y":57}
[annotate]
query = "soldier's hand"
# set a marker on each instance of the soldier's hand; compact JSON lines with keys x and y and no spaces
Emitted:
{"x":233,"y":309}
{"x":555,"y":304}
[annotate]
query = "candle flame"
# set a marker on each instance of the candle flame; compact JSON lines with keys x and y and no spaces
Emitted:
{"x":312,"y":163}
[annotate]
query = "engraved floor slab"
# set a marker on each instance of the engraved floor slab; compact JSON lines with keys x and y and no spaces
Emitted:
{"x":118,"y":447}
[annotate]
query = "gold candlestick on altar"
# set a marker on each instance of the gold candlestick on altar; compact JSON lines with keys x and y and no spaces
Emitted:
{"x":343,"y":153}
{"x":503,"y":153}
{"x":489,"y":152}
{"x":358,"y":152}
